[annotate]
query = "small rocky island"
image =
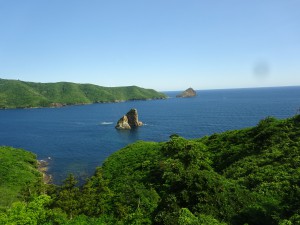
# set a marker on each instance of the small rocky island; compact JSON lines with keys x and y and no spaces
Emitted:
{"x":129,"y":121}
{"x":190,"y":92}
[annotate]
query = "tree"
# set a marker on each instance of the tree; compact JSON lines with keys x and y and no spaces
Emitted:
{"x":68,"y":196}
{"x":95,"y":198}
{"x":33,"y":213}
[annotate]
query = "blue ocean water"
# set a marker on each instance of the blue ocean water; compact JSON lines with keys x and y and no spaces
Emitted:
{"x":79,"y":138}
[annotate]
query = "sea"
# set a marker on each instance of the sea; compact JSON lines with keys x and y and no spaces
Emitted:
{"x":77,"y":139}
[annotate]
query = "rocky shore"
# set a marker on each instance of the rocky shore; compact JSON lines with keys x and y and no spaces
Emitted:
{"x":43,"y":166}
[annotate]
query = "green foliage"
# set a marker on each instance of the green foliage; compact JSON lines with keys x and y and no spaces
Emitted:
{"x":20,"y":94}
{"x":19,"y":177}
{"x":188,"y":218}
{"x":67,"y":197}
{"x":128,"y":171}
{"x":33,"y":213}
{"x":188,"y":180}
{"x":85,"y":220}
{"x":96,"y":197}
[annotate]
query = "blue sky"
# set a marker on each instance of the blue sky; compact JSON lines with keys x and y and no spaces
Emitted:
{"x":160,"y":44}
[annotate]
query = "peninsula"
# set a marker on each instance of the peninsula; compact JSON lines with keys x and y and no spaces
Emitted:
{"x":21,"y":94}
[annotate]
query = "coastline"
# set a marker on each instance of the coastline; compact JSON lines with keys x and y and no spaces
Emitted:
{"x":43,"y":166}
{"x":61,"y":105}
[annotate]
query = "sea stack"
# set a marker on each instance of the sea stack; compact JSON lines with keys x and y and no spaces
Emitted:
{"x":129,"y":121}
{"x":190,"y":92}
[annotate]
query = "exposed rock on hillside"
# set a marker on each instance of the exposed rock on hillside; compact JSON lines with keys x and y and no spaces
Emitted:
{"x":190,"y":92}
{"x":128,"y":121}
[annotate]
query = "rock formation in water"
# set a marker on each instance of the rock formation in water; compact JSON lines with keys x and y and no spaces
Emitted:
{"x":129,"y":121}
{"x":190,"y":92}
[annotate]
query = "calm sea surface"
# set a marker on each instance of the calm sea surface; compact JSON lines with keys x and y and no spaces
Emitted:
{"x":79,"y":138}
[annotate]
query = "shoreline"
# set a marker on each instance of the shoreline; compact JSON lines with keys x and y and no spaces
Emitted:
{"x":62,"y":105}
{"x":43,"y":166}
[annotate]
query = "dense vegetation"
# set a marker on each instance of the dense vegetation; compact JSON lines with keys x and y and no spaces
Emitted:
{"x":18,"y":175}
{"x":248,"y":176}
{"x":20,"y":94}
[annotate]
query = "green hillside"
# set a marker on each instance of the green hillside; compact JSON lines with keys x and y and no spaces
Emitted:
{"x":249,"y":176}
{"x":20,"y":94}
{"x":19,"y":176}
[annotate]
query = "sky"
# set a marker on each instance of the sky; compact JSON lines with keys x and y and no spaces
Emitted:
{"x":161,"y":44}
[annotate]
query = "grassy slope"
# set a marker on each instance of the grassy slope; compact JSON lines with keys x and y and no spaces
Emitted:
{"x":18,"y":174}
{"x":20,"y":94}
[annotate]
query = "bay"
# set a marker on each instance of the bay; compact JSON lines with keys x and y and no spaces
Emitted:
{"x":77,"y":139}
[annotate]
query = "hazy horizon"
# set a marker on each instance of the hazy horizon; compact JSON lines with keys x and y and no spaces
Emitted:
{"x":163,"y":45}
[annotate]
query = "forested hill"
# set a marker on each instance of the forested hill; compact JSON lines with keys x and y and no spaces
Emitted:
{"x":249,"y":176}
{"x":20,"y":94}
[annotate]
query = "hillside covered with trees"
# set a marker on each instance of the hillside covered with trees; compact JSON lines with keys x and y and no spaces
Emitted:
{"x":18,"y":175}
{"x":249,"y":176}
{"x":20,"y":94}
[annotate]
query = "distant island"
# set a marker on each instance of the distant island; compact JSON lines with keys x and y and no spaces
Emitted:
{"x":190,"y":92}
{"x":21,"y":94}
